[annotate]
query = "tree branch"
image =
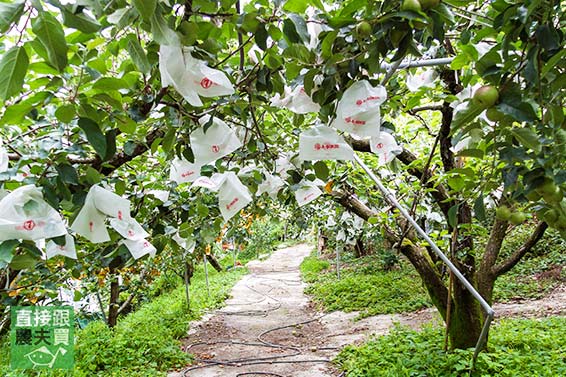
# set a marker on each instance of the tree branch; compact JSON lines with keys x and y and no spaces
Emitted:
{"x":520,"y":252}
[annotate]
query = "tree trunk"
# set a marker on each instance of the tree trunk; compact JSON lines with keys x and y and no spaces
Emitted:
{"x":114,"y":297}
{"x":214,"y":263}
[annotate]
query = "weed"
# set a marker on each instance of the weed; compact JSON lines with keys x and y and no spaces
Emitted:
{"x":517,"y":347}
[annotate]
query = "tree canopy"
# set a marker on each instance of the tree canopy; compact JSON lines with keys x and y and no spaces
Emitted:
{"x":110,"y":94}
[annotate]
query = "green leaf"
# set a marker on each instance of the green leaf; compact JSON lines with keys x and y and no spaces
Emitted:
{"x":10,"y":13}
{"x":138,"y":55}
{"x":68,"y":174}
{"x":528,"y":138}
{"x":120,"y":187}
{"x":110,"y":144}
{"x":327,"y":43}
{"x":52,"y":37}
{"x":465,"y":116}
{"x":65,"y":113}
{"x":22,"y":262}
{"x":80,"y":21}
{"x":7,"y":252}
{"x":13,"y":68}
{"x":169,"y":140}
{"x":297,"y":6}
{"x":290,"y":31}
{"x":161,"y":32}
{"x":373,"y":220}
{"x":146,"y":8}
{"x":94,"y":136}
{"x":453,"y":215}
{"x":321,"y":170}
{"x":110,"y":83}
{"x":261,"y":37}
{"x":300,"y":27}
{"x":479,"y":208}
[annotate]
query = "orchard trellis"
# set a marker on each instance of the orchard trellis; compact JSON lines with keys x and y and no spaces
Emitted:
{"x":90,"y":89}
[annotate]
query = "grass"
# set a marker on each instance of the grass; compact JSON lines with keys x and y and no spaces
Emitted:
{"x":364,"y":286}
{"x":538,"y":273}
{"x":144,"y":343}
{"x":517,"y":347}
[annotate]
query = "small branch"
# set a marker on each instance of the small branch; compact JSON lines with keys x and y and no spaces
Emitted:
{"x":415,"y":110}
{"x":520,"y":252}
{"x":240,"y":41}
{"x":240,"y":49}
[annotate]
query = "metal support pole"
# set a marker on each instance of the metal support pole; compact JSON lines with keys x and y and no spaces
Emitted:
{"x":338,"y":261}
{"x":391,"y":199}
{"x":391,"y":67}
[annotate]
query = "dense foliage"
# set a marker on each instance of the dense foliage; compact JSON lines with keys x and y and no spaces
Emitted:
{"x":145,"y":342}
{"x":86,"y":101}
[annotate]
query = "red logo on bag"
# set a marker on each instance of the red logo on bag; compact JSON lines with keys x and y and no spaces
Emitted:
{"x":90,"y":225}
{"x":146,"y":244}
{"x":326,"y":146}
{"x":229,"y":206}
{"x":187,"y":174}
{"x":206,"y":83}
{"x":360,"y":102}
{"x":119,"y":215}
{"x":355,"y":122}
{"x":215,"y":148}
{"x":131,"y":233}
{"x":307,"y":197}
{"x":29,"y":225}
{"x":379,"y":145}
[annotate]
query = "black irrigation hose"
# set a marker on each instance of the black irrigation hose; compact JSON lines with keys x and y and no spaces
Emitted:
{"x":263,"y":343}
{"x":257,"y":312}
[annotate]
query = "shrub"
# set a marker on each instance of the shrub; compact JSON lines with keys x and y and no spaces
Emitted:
{"x":517,"y":348}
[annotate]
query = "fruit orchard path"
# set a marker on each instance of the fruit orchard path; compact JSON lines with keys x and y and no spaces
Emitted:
{"x":271,"y":297}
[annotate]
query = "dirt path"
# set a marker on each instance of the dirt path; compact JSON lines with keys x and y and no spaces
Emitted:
{"x":255,"y":333}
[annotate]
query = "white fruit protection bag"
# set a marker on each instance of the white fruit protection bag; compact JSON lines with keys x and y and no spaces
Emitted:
{"x":210,"y":183}
{"x":4,"y":158}
{"x":307,"y":192}
{"x":191,"y":77}
{"x":358,"y":111}
{"x":139,"y":248}
{"x":183,"y":171}
{"x":385,"y":147}
{"x":232,"y":196}
{"x":187,"y":244}
{"x":25,"y":215}
{"x":323,"y":143}
{"x":68,"y":249}
{"x":100,"y":204}
{"x":271,"y":185}
{"x":297,"y":101}
{"x":422,"y":79}
{"x":218,"y":141}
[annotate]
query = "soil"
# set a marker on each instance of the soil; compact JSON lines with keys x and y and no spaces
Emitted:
{"x":270,"y":328}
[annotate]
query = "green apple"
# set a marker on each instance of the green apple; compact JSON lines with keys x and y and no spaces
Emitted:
{"x":494,"y":115}
{"x":547,"y":187}
{"x":363,"y":29}
{"x":560,"y":224}
{"x":486,"y":96}
{"x":396,"y":35}
{"x":503,"y":213}
{"x":427,"y":4}
{"x":554,"y":197}
{"x":551,"y":217}
{"x":517,"y":218}
{"x":411,"y":5}
{"x":533,"y":196}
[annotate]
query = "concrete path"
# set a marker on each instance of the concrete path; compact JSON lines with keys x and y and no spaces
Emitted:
{"x":269,"y":327}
